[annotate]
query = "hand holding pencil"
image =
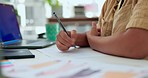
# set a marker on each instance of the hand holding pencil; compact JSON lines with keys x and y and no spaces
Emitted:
{"x":65,"y":39}
{"x":64,"y":42}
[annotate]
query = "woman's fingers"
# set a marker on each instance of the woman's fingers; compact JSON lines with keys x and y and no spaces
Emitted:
{"x":64,"y":42}
{"x":73,"y":36}
{"x":61,"y":46}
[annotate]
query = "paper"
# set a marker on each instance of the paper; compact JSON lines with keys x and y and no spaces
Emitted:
{"x":61,"y":68}
{"x":69,"y":65}
{"x":82,"y":73}
{"x":87,"y":54}
{"x":72,"y":53}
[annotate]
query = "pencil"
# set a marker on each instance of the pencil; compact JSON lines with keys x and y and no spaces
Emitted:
{"x":59,"y":21}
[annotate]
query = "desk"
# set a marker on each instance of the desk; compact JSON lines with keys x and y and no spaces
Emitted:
{"x":80,"y":21}
{"x":88,"y":55}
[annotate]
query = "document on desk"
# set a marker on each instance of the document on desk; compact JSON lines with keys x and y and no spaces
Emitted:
{"x":87,"y":54}
{"x":76,"y":53}
{"x":57,"y":68}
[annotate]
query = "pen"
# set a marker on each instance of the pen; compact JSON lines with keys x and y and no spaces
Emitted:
{"x":59,"y":21}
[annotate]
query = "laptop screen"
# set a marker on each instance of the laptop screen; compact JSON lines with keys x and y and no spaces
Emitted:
{"x":9,"y":29}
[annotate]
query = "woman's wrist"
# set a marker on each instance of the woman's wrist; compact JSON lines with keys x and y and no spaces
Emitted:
{"x":82,"y":40}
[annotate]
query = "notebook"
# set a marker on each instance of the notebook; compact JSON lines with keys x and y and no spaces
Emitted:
{"x":10,"y":35}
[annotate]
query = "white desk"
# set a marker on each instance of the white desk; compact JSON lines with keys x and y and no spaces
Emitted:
{"x":81,"y":54}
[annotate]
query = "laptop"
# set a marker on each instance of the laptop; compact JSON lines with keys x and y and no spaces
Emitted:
{"x":10,"y":35}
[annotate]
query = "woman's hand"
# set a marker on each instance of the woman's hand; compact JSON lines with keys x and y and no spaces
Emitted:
{"x":94,"y":31}
{"x":64,"y":42}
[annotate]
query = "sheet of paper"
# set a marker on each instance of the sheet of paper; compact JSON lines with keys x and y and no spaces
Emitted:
{"x":87,"y":54}
{"x":72,"y":53}
{"x":61,"y":68}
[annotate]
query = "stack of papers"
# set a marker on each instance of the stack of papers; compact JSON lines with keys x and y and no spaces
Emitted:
{"x":62,"y":68}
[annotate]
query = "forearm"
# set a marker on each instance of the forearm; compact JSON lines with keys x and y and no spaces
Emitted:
{"x":82,"y":40}
{"x":106,"y":45}
{"x":119,"y":44}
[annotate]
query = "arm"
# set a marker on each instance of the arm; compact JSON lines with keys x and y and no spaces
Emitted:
{"x":133,"y":43}
{"x":82,"y":40}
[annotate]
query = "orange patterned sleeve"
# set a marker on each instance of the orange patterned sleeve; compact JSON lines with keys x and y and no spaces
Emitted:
{"x":139,"y":18}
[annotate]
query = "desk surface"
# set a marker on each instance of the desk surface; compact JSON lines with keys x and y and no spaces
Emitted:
{"x":81,"y":54}
{"x":93,"y":57}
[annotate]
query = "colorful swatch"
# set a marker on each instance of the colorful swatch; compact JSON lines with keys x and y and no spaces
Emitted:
{"x":42,"y":65}
{"x":117,"y":74}
{"x":6,"y":64}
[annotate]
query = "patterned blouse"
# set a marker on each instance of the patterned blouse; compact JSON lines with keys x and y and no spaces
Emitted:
{"x":118,"y":16}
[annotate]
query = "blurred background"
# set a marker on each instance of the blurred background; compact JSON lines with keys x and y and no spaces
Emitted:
{"x":73,"y":13}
